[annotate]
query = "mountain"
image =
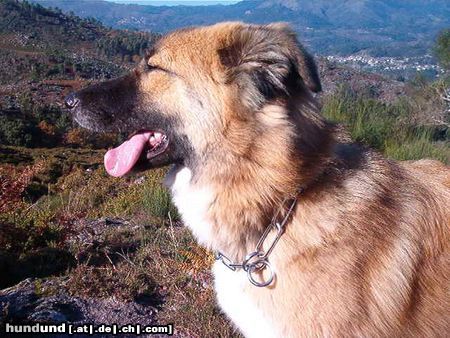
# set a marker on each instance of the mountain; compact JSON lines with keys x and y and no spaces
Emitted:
{"x":375,"y":27}
{"x":38,"y":43}
{"x":34,"y":26}
{"x":44,"y":54}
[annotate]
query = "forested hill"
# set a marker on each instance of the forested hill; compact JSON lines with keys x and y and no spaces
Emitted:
{"x":45,"y":54}
{"x":377,"y":27}
{"x":33,"y":28}
{"x":34,"y":25}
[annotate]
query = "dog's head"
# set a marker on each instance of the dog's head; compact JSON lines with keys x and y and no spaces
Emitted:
{"x":198,"y":92}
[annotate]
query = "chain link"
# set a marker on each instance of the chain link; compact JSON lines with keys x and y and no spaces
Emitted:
{"x":258,"y":260}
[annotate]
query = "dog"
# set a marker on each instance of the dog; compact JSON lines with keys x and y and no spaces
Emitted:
{"x":316,"y":236}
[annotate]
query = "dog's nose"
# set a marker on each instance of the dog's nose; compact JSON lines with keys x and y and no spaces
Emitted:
{"x":72,"y":100}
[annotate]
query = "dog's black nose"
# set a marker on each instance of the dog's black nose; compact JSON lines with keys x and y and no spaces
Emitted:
{"x":72,"y":100}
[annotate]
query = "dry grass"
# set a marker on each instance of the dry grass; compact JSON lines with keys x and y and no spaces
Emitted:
{"x":13,"y":183}
{"x":151,"y":259}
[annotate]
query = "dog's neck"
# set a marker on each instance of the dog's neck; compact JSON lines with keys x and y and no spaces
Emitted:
{"x":238,"y":194}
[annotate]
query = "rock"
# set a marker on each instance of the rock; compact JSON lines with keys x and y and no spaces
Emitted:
{"x":86,"y":232}
{"x":16,"y":301}
{"x":28,"y":302}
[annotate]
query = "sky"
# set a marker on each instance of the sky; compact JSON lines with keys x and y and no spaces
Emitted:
{"x":177,"y":2}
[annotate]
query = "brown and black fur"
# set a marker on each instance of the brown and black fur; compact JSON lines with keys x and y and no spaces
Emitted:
{"x":366,"y":252}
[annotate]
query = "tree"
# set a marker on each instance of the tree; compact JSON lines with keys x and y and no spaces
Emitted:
{"x":442,"y":48}
{"x":17,"y":132}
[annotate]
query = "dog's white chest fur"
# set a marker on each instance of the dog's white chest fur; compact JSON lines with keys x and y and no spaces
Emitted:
{"x":238,"y":304}
{"x":193,"y":204}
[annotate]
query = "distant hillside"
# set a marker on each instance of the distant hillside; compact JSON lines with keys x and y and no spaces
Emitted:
{"x":47,"y":54}
{"x":377,"y":27}
{"x":30,"y":25}
{"x":35,"y":26}
{"x":38,"y":43}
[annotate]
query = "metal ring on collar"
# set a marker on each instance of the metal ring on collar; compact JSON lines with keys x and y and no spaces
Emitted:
{"x":259,"y":266}
{"x":256,"y":257}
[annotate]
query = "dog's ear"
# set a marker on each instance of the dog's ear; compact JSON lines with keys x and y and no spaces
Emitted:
{"x":268,"y":59}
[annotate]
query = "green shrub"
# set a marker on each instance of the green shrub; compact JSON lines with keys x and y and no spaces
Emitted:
{"x":17,"y":132}
{"x":156,"y":199}
{"x":417,"y":146}
{"x":388,"y":127}
{"x":148,"y":197}
{"x":442,"y":48}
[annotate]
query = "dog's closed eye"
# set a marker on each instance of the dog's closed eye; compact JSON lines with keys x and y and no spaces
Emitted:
{"x":152,"y":67}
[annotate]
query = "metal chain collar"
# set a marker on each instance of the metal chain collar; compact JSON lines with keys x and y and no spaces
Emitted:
{"x":258,"y":260}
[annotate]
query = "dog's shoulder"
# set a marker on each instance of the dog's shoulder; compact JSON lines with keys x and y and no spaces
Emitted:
{"x":433,"y":170}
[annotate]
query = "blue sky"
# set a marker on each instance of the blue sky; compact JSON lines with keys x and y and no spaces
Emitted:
{"x":176,"y":2}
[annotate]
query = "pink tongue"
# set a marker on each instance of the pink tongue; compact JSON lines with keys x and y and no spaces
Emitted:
{"x":119,"y":161}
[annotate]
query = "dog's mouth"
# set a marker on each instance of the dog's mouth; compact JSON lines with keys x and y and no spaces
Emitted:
{"x":141,"y":146}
